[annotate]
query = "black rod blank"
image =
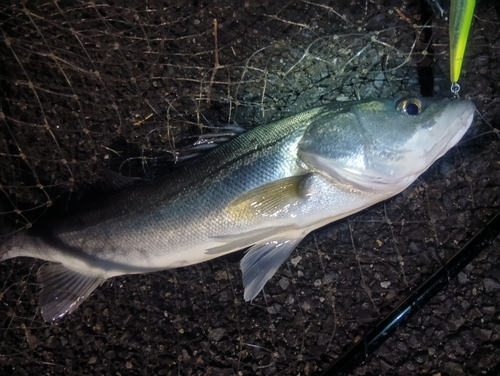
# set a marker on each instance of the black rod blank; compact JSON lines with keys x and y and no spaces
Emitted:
{"x":425,"y":292}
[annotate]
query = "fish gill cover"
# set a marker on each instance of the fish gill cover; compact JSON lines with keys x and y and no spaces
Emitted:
{"x":87,"y":86}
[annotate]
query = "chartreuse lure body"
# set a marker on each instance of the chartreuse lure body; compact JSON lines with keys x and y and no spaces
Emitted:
{"x":461,"y":13}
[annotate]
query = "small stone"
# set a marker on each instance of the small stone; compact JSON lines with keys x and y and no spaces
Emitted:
{"x":32,"y":340}
{"x":225,"y":296}
{"x":296,"y":260}
{"x":220,"y":275}
{"x":489,"y":310}
{"x":216,"y":334}
{"x":380,"y":79}
{"x":329,"y":278}
{"x":446,"y":169}
{"x":385,"y":284}
{"x":284,"y":283}
{"x":475,"y":313}
{"x":482,"y":334}
{"x":453,"y":368}
{"x":402,"y":346}
{"x":490,"y":285}
{"x":462,"y":278}
{"x":185,"y":355}
{"x":455,"y":320}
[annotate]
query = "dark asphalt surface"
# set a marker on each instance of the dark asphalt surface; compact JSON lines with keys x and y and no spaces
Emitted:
{"x":86,"y":86}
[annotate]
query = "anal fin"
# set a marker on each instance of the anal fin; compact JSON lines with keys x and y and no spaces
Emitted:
{"x":263,"y":260}
{"x":63,"y":290}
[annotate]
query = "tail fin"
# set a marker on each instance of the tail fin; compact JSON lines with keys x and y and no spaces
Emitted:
{"x":62,"y":289}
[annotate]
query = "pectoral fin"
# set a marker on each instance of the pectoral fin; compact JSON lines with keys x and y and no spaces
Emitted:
{"x":262,"y":261}
{"x":270,"y":199}
{"x":63,"y":290}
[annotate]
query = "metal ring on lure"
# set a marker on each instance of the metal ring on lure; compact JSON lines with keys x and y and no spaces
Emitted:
{"x":461,"y":13}
{"x":455,"y":88}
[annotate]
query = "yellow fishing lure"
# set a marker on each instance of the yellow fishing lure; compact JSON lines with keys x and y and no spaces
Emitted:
{"x":460,"y":20}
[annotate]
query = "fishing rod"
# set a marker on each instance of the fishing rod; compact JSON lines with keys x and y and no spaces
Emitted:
{"x":425,"y":292}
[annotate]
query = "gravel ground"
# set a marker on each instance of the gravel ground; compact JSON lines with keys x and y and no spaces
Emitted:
{"x":86,"y":86}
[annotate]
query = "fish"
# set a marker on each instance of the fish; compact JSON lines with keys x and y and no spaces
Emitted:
{"x":263,"y":190}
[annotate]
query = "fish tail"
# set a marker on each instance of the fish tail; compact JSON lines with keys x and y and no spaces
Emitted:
{"x":62,"y":289}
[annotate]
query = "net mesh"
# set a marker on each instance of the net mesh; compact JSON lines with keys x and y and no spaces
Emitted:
{"x":87,"y":86}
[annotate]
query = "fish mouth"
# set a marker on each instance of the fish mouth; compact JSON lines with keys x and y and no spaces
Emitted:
{"x":462,"y":128}
{"x":462,"y":114}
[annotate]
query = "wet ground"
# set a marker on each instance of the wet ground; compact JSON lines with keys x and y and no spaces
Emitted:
{"x":93,"y":85}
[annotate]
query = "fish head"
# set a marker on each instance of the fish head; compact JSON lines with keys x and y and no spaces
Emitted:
{"x":383,"y":145}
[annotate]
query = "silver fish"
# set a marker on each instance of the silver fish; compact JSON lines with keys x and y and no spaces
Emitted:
{"x":265,"y":189}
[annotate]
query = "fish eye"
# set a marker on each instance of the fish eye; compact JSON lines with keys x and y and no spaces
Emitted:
{"x":410,"y":106}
